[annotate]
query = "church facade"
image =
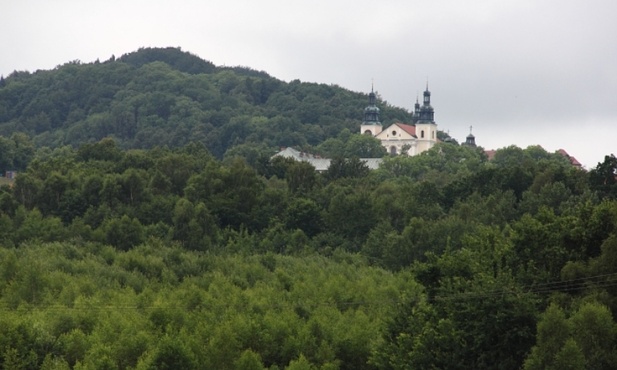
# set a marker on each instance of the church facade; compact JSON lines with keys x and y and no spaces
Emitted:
{"x":400,"y":138}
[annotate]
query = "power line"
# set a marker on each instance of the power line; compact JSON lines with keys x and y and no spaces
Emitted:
{"x":601,"y":281}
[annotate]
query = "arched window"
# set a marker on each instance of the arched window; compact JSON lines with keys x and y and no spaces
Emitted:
{"x":422,"y":134}
{"x":368,"y":132}
{"x":393,"y":150}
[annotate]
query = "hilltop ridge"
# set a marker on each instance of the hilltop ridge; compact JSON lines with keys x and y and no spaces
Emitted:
{"x":169,"y":97}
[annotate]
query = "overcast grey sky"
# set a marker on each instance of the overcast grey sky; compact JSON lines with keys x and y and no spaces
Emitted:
{"x":522,"y":72}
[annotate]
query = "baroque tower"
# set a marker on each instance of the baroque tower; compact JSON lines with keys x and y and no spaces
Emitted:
{"x":426,"y":128}
{"x":416,"y":112}
{"x":370,"y":124}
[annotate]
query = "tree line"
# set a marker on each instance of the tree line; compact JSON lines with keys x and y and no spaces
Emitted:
{"x":144,"y":258}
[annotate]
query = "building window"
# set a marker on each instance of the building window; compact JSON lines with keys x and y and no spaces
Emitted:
{"x":393,"y":133}
{"x":393,"y":150}
{"x":368,"y":132}
{"x":433,"y":134}
{"x":422,"y":134}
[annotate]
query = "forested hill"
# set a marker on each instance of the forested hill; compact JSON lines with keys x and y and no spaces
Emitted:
{"x":165,"y":96}
{"x":119,"y":257}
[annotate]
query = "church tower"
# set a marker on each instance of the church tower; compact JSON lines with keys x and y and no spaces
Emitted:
{"x":416,"y":112}
{"x":370,"y":124}
{"x":470,"y":140}
{"x":426,"y":128}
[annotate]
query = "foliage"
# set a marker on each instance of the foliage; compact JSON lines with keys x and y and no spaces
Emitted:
{"x":148,"y":227}
{"x":162,"y":306}
{"x":586,"y":340}
{"x":426,"y":262}
{"x":169,"y":97}
{"x":604,"y":177}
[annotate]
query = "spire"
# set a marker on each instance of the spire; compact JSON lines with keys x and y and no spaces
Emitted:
{"x":427,"y":96}
{"x":427,"y":114}
{"x":371,"y":96}
{"x":415,"y":115}
{"x":371,"y":112}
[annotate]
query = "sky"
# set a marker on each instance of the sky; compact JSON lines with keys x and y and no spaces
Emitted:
{"x":520,"y":72}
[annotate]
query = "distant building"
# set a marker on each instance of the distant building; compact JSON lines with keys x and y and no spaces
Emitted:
{"x":398,"y":138}
{"x":470,"y":140}
{"x":10,"y":174}
{"x":490,"y":154}
{"x":320,"y":164}
{"x":571,"y":159}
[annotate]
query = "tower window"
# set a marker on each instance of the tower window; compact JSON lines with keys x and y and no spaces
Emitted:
{"x":422,"y":134}
{"x":433,"y":134}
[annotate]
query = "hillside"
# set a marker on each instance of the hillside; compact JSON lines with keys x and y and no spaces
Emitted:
{"x":168,"y":97}
{"x":145,"y":251}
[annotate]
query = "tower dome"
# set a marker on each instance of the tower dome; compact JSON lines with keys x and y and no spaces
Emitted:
{"x":427,"y":114}
{"x":470,"y":140}
{"x":371,"y":112}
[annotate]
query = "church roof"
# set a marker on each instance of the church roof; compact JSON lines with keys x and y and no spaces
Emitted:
{"x":410,"y":129}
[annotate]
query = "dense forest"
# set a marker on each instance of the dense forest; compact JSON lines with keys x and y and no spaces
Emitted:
{"x":166,"y":97}
{"x":179,"y":243}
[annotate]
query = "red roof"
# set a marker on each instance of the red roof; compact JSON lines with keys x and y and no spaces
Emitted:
{"x":572,"y":160}
{"x":411,"y":130}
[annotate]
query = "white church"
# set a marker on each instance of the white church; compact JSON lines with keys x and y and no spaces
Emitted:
{"x":399,"y":138}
